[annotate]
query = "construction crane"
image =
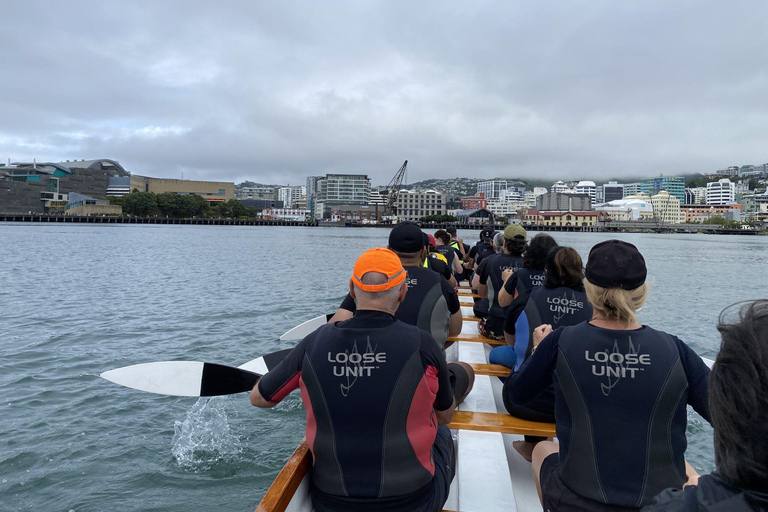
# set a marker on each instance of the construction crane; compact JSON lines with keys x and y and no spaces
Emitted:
{"x":393,"y":189}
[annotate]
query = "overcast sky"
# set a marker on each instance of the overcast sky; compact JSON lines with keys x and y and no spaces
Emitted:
{"x":273,"y":92}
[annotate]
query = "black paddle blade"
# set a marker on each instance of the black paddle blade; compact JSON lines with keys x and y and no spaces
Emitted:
{"x":219,"y":379}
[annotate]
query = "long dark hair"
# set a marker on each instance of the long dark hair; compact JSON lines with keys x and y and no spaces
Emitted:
{"x":535,"y":255}
{"x":515,"y":246}
{"x":564,"y":268}
{"x":738,"y":396}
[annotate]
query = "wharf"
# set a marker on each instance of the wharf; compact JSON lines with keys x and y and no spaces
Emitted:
{"x":69,"y":219}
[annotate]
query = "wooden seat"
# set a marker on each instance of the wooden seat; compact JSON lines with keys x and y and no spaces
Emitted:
{"x":493,"y":370}
{"x":469,"y":318}
{"x":475,"y":338}
{"x":468,"y":295}
{"x":501,"y":423}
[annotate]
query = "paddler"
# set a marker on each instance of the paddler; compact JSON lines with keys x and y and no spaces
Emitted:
{"x":621,"y":392}
{"x":378,"y":395}
{"x":431,"y":303}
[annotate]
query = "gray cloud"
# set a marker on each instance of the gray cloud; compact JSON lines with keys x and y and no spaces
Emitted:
{"x":274,"y":93}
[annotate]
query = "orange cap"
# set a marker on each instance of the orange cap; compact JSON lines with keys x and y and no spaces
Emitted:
{"x":379,"y":260}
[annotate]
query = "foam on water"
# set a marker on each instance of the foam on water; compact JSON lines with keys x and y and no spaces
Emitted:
{"x":204,"y":438}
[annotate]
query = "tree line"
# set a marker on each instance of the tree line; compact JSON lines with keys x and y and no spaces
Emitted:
{"x":170,"y":204}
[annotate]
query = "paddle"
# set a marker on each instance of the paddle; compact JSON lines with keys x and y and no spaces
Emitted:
{"x":302,"y":330}
{"x":193,"y":378}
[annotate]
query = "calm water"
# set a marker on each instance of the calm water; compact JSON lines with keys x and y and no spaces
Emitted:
{"x":79,"y":300}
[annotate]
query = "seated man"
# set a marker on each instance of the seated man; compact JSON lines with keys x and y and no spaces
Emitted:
{"x":378,"y":394}
{"x":738,"y":403}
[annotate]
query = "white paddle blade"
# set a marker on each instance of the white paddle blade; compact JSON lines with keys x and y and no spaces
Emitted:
{"x":176,"y":378}
{"x":302,"y":330}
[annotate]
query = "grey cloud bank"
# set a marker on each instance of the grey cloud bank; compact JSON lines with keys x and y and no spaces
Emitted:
{"x":274,"y":93}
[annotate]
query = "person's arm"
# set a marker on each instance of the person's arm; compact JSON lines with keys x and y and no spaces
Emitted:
{"x":437,"y":367}
{"x":454,"y":308}
{"x":282,"y":379}
{"x":535,"y":374}
{"x":507,"y":292}
{"x":345,"y":311}
{"x":454,"y":327}
{"x":452,"y":281}
{"x":457,"y":265}
{"x":697,"y":372}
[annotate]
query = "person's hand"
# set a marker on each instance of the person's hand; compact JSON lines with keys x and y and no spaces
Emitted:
{"x":461,"y":242}
{"x":506,"y":274}
{"x":540,"y":333}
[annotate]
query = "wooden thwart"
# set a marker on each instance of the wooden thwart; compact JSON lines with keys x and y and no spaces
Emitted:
{"x":469,"y":318}
{"x":494,"y":370}
{"x":468,"y":295}
{"x":502,"y":423}
{"x":284,"y":487}
{"x":476,"y":338}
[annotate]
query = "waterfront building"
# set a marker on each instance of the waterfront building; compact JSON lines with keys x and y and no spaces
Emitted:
{"x":290,"y":196}
{"x":502,"y":208}
{"x":589,"y":188}
{"x":628,"y":209}
{"x":214,"y":192}
{"x":262,"y":193}
{"x":474,"y":202}
{"x":674,"y":185}
{"x":563,"y":202}
{"x":335,"y":190}
{"x":702,"y":213}
{"x":513,"y":194}
{"x":666,"y":208}
{"x":415,"y":204}
{"x":79,"y":204}
{"x":721,"y":192}
{"x":492,"y":189}
{"x":586,"y":218}
{"x":559,"y":188}
{"x":476,"y":217}
{"x":299,"y":214}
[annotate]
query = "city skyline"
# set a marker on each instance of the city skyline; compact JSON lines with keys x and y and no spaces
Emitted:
{"x":275,"y":93}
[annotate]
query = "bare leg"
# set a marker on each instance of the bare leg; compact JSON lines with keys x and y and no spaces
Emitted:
{"x":692,"y":477}
{"x":509,"y":338}
{"x":542,"y":450}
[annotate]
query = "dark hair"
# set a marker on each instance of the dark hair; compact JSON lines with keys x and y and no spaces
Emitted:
{"x":451,"y":230}
{"x":738,"y":397}
{"x":515,"y":246}
{"x":564,"y":268}
{"x":443,"y":236}
{"x":535,"y":255}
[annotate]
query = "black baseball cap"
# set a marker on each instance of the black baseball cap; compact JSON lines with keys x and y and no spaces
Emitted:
{"x":616,"y":264}
{"x":487,"y":234}
{"x":406,"y":237}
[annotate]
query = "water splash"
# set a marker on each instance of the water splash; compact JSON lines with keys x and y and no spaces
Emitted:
{"x":204,"y":438}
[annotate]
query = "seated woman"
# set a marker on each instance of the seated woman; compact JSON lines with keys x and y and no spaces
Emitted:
{"x":621,"y":391}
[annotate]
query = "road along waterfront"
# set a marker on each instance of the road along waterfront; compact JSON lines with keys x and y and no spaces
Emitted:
{"x":81,"y":299}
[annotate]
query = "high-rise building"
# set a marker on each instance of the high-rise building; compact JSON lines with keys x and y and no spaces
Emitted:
{"x":666,"y":208}
{"x":290,"y":196}
{"x":492,"y":189}
{"x":552,"y":201}
{"x":721,"y":192}
{"x":589,"y":188}
{"x":559,"y":188}
{"x":336,"y":190}
{"x":613,"y":191}
{"x":675,"y":185}
{"x":632,"y":189}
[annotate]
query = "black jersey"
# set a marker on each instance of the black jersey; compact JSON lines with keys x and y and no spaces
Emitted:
{"x":429,"y":303}
{"x":369,"y":386}
{"x":490,"y":271}
{"x":620,"y":404}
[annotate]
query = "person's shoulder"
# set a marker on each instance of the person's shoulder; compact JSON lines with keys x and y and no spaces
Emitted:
{"x":668,"y":500}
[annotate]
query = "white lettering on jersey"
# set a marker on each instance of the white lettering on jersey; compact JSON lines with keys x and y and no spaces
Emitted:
{"x":351,"y":365}
{"x":615,"y":366}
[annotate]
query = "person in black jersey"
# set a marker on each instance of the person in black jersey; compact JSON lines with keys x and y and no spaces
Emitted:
{"x":561,"y":301}
{"x":431,"y":304}
{"x":738,"y":403}
{"x":621,"y":391}
{"x":437,"y":262}
{"x":518,"y":285}
{"x":488,"y":281}
{"x":378,"y":394}
{"x":443,"y":246}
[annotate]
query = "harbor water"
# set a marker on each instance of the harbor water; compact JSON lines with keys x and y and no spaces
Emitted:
{"x":77,"y":300}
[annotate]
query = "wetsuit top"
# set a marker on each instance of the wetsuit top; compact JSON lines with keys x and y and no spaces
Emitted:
{"x":620,"y":404}
{"x":483,"y":251}
{"x":490,"y":275}
{"x":523,"y":281}
{"x":434,"y":263}
{"x":712,"y":494}
{"x":429,"y":303}
{"x":558,"y":307}
{"x":369,"y":387}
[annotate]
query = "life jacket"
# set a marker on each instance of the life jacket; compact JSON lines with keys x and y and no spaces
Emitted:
{"x":455,"y":245}
{"x":370,"y":421}
{"x":623,"y":439}
{"x":558,"y":307}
